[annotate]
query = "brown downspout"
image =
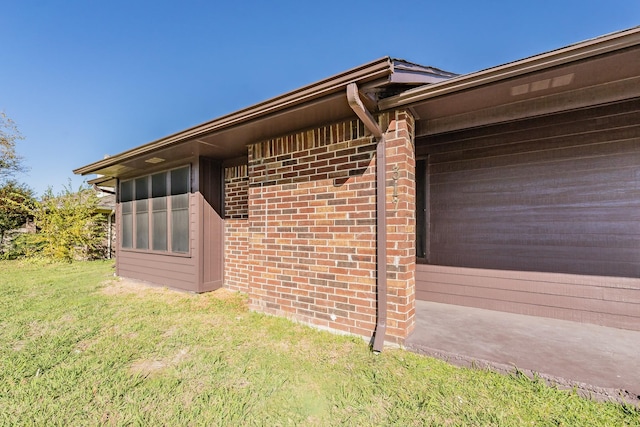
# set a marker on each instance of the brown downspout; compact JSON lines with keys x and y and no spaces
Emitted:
{"x":381,"y":213}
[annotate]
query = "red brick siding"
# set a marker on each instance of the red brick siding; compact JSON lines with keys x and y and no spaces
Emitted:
{"x":312,"y":227}
{"x":236,"y":228}
{"x":236,"y":195}
{"x":312,"y":224}
{"x":400,"y":225}
{"x":236,"y":255}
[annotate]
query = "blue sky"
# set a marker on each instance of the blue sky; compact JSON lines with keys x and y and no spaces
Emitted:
{"x":85,"y":78}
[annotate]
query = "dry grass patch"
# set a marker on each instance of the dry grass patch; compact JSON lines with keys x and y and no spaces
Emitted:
{"x":118,"y":286}
{"x":147,"y":367}
{"x":123,"y":286}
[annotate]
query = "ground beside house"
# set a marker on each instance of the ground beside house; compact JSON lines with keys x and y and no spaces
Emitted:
{"x":80,"y":347}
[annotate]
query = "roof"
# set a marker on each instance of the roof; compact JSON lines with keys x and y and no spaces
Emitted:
{"x":107,"y":202}
{"x":575,"y":52}
{"x":227,"y":136}
{"x":603,"y":69}
{"x":600,"y":70}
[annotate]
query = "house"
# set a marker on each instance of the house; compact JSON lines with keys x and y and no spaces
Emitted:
{"x":515,"y":188}
{"x":107,"y":207}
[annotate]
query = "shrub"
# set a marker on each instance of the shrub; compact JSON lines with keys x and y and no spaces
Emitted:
{"x":69,"y":226}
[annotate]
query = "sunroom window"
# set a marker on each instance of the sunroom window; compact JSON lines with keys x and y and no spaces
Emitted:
{"x":180,"y":210}
{"x":142,"y":212}
{"x":155,"y":212}
{"x":159,"y":222}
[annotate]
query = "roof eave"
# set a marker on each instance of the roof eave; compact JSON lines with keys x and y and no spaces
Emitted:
{"x":375,"y":70}
{"x":600,"y":45}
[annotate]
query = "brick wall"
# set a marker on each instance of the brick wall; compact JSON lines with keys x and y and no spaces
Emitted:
{"x":236,"y":225}
{"x":310,"y":235}
{"x":236,"y":196}
{"x":312,"y":224}
{"x":401,"y":229}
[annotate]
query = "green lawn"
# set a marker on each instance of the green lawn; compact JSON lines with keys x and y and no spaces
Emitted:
{"x":77,"y":348}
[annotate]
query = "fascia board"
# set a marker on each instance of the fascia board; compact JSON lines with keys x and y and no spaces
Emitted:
{"x":576,"y":52}
{"x":373,"y":70}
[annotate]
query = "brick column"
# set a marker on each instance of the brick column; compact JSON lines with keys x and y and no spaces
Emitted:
{"x":401,"y":224}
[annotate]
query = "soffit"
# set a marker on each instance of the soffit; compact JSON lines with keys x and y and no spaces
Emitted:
{"x":320,"y":103}
{"x":227,"y":136}
{"x":604,"y":69}
{"x":604,"y":78}
{"x":231,"y":142}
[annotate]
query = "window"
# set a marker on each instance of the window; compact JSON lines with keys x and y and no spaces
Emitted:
{"x":126,"y":197}
{"x":159,"y":211}
{"x":155,"y":212}
{"x":180,"y":210}
{"x":422,"y":209}
{"x":142,"y":212}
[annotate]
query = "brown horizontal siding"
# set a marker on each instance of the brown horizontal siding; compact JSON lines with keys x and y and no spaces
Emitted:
{"x":175,"y":271}
{"x":538,"y":216}
{"x":536,"y":153}
{"x":554,"y":194}
{"x":601,"y":300}
{"x":620,"y":114}
{"x":542,"y":168}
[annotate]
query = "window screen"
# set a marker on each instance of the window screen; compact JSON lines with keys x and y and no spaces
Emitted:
{"x":142,"y":212}
{"x":180,"y":210}
{"x":155,"y":211}
{"x":126,"y":191}
{"x":126,"y":197}
{"x":180,"y":181}
{"x":180,"y":225}
{"x":159,"y":211}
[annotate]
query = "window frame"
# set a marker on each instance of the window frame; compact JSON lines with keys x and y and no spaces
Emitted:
{"x":423,"y":230}
{"x":150,"y":211}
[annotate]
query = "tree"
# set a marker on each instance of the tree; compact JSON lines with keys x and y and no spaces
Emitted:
{"x":16,"y":206}
{"x":69,"y":225}
{"x":10,"y":161}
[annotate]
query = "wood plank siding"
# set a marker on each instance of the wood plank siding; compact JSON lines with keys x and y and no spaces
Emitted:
{"x":212,"y":236}
{"x":613,"y":302}
{"x":202,"y":268}
{"x":178,"y":271}
{"x":553,"y":194}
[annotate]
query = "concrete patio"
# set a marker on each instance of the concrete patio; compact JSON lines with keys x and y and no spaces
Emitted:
{"x":600,"y":362}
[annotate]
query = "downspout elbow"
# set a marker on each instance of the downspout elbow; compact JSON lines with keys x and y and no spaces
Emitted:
{"x":353,"y":97}
{"x":381,"y":214}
